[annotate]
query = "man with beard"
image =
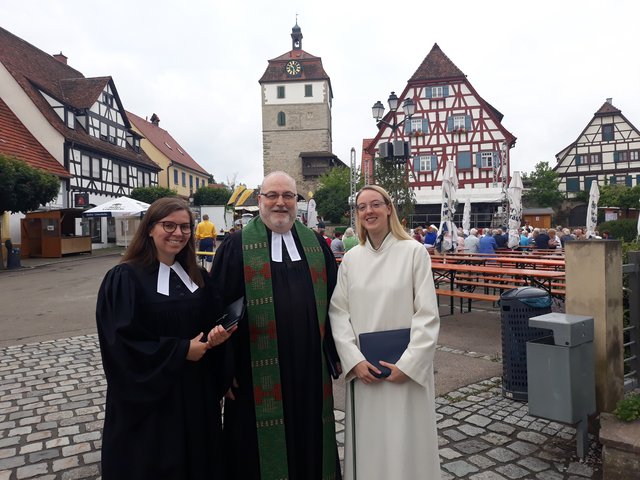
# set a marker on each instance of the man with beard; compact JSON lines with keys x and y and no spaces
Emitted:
{"x":278,"y":414}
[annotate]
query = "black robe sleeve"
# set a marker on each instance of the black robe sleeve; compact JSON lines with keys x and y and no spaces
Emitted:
{"x":141,"y":365}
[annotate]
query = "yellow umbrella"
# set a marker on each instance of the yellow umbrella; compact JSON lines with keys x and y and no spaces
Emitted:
{"x":235,"y":194}
{"x":245,"y":195}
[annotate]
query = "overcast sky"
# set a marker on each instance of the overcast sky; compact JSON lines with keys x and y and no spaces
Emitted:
{"x":546,"y":65}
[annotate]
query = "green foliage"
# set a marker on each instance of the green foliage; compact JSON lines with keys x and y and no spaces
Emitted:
{"x":393,"y":178}
{"x":544,"y":182}
{"x":151,"y":194}
{"x":332,"y":197}
{"x":212,"y":196}
{"x":625,"y":229}
{"x":619,"y":196}
{"x":628,"y":409}
{"x":24,"y":188}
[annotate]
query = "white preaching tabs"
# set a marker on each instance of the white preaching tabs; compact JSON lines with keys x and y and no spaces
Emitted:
{"x":289,"y":243}
{"x":163,"y":278}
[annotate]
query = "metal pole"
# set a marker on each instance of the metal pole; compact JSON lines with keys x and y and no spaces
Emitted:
{"x":352,"y":193}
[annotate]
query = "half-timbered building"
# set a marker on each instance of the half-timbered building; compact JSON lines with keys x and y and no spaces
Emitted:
{"x":80,"y":122}
{"x":451,"y":122}
{"x":607,"y":151}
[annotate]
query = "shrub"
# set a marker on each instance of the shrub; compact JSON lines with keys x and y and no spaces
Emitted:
{"x":625,"y":229}
{"x":628,"y":409}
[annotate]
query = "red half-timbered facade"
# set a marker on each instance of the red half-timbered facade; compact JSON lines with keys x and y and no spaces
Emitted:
{"x":451,"y":122}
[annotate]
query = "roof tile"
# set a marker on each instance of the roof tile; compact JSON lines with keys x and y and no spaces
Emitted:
{"x":436,"y":66}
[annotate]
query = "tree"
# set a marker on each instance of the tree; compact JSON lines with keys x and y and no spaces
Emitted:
{"x":544,"y":183}
{"x":393,"y":178}
{"x":151,"y":194}
{"x":619,"y":196}
{"x":24,"y":188}
{"x":332,"y":197}
{"x":212,"y":196}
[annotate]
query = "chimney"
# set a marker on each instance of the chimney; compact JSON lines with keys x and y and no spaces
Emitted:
{"x":60,"y":57}
{"x":609,"y":100}
{"x":155,"y":119}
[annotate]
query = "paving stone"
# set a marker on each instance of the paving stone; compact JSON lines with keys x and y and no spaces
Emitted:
{"x":449,"y":453}
{"x":454,"y":435}
{"x":481,"y":461}
{"x":502,"y":455}
{"x":501,"y":428}
{"x":89,"y":471}
{"x":577,"y":468}
{"x":523,"y":448}
{"x":534,"y":464}
{"x":471,"y":430}
{"x":532,"y":437}
{"x":460,"y":468}
{"x":43,"y":455}
{"x":449,"y":422}
{"x":512,"y":471}
{"x":472,"y":446}
{"x":30,"y":471}
{"x":65,"y":463}
{"x":495,"y":438}
{"x":487,"y":476}
{"x":549,"y":475}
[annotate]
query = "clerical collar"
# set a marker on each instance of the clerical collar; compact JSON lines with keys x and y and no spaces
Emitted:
{"x":289,"y":243}
{"x":163,"y":278}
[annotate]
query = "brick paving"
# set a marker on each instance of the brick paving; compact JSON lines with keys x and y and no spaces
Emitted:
{"x":52,"y":398}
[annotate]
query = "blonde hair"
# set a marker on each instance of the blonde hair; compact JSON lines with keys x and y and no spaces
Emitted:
{"x":395,"y":227}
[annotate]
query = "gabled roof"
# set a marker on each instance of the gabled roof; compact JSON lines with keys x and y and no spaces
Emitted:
{"x":16,"y":141}
{"x":436,"y":66}
{"x":35,"y":71}
{"x":607,"y":108}
{"x":312,"y":68}
{"x":163,"y":141}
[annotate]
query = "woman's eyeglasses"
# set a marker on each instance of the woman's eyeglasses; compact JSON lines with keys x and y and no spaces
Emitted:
{"x":286,"y":196}
{"x":375,"y":205}
{"x":170,"y":227}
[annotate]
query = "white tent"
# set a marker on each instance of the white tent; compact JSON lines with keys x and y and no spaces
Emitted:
{"x":466,"y":217}
{"x":122,"y":208}
{"x":592,"y":211}
{"x":312,"y":214}
{"x":514,"y":192}
{"x":447,"y":240}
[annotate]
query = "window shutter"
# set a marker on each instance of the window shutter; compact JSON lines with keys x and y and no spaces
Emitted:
{"x":479,"y":160}
{"x":427,"y":92}
{"x":416,"y":163}
{"x":616,"y":156}
{"x":612,"y":180}
{"x":577,"y":159}
{"x":434,"y":163}
{"x":496,"y":158}
{"x":445,"y":91}
{"x":449,"y":124}
{"x":407,"y":127}
{"x":425,"y":125}
{"x":467,"y":122}
{"x":628,"y":180}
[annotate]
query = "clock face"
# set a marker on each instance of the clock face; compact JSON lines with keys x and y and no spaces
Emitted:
{"x":293,"y":67}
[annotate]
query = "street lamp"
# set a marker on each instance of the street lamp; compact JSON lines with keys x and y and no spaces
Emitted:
{"x":408,"y":107}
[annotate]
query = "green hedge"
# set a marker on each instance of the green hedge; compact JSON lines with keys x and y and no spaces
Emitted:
{"x":625,"y":229}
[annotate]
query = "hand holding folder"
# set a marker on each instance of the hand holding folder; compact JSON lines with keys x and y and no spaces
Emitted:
{"x":386,"y":345}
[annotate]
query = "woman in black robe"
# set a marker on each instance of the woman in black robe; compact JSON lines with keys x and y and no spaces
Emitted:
{"x":164,"y":382}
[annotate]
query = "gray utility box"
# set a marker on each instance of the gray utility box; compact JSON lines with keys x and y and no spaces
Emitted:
{"x":561,"y":368}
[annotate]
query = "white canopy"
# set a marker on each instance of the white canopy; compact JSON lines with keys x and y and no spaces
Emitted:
{"x":119,"y":207}
{"x":466,"y":217}
{"x":592,"y":211}
{"x":447,"y":240}
{"x":514,"y":192}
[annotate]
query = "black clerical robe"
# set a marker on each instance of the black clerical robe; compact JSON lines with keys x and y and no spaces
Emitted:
{"x":300,"y":355}
{"x":162,"y":411}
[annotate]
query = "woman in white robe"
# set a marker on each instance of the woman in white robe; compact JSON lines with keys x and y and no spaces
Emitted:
{"x":385,"y":283}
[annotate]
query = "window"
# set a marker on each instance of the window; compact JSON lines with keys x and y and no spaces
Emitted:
{"x":308,"y":90}
{"x":280,"y":92}
{"x":607,"y":132}
{"x":634,"y":155}
{"x":573,"y":184}
{"x":595,"y":158}
{"x":184,"y":179}
{"x":621,"y":156}
{"x":197,"y":183}
{"x":282,"y":119}
{"x":439,"y":91}
{"x":191,"y":182}
{"x":175,"y":177}
{"x":459,"y":123}
{"x":588,"y":181}
{"x":464,"y":161}
{"x":95,"y":167}
{"x":425,"y":163}
{"x":436,"y":92}
{"x":486,"y":159}
{"x":416,"y":124}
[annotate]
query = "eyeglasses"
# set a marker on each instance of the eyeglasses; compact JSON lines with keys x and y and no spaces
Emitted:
{"x":170,"y":227}
{"x":375,"y":205}
{"x":286,"y":196}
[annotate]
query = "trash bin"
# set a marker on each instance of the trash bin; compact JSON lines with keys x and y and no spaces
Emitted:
{"x":13,"y":255}
{"x":517,"y":306}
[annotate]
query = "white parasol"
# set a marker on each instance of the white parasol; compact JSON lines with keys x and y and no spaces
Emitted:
{"x":312,"y":214}
{"x":466,"y":217}
{"x":592,"y":210}
{"x":447,"y":240}
{"x":514,"y":193}
{"x":121,"y":207}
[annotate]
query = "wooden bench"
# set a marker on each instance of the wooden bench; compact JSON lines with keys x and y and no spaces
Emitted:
{"x":469,"y":296}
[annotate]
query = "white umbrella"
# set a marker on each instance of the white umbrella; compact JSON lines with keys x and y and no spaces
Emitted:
{"x":592,"y":211}
{"x":638,"y":227}
{"x":312,"y":214}
{"x":448,"y":234}
{"x":121,"y":207}
{"x":466,"y":217}
{"x":514,"y":193}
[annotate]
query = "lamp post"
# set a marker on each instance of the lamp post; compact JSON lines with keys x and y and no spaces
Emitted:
{"x":396,"y":152}
{"x":352,"y":187}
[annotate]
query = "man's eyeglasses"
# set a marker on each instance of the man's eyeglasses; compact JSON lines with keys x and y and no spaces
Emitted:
{"x":286,"y":196}
{"x":375,"y":205}
{"x":170,"y":227}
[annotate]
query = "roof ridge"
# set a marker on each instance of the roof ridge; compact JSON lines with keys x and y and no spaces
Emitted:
{"x":436,"y":65}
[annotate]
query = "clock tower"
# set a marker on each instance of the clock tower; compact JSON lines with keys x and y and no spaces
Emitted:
{"x":296,"y":116}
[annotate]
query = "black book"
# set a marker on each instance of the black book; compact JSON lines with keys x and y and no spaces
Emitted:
{"x":232,"y":314}
{"x":386,"y":345}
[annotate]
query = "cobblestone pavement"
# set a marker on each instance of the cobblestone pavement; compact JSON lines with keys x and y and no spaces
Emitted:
{"x":52,"y":408}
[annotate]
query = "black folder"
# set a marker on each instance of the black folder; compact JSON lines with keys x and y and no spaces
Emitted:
{"x":232,"y":314}
{"x":386,"y":345}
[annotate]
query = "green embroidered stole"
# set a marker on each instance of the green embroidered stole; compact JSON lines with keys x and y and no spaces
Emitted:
{"x":265,"y":368}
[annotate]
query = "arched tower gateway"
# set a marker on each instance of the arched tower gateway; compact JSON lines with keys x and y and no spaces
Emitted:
{"x":296,"y":116}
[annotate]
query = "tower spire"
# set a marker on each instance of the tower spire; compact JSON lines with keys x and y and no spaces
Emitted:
{"x":296,"y":36}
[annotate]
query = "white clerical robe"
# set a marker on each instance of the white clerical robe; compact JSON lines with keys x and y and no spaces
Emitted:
{"x":395,"y":426}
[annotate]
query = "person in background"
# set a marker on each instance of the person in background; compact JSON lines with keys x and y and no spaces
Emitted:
{"x":278,"y":414}
{"x":554,"y":239}
{"x":542,"y":239}
{"x":418,"y":234}
{"x":385,"y":283}
{"x":472,"y":242}
{"x":206,"y":237}
{"x":337,"y":245}
{"x":487,"y":244}
{"x":501,"y":240}
{"x":431,"y":236}
{"x":606,"y":235}
{"x":524,"y":237}
{"x":164,"y":384}
{"x":350,"y":240}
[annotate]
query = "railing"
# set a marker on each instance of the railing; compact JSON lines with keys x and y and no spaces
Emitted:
{"x":631,"y":330}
